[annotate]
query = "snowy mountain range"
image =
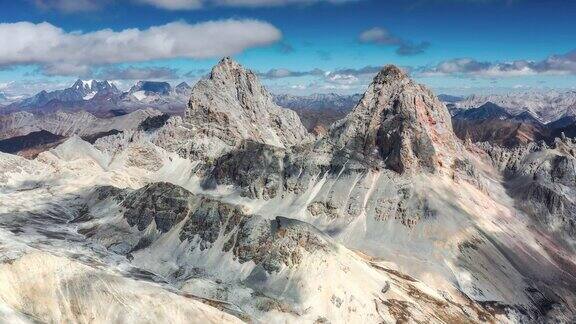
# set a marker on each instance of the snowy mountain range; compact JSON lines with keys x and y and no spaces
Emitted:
{"x":103,"y":98}
{"x":233,"y":212}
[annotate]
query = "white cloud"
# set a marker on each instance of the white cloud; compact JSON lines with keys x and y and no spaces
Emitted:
{"x":342,"y":79}
{"x":174,"y":4}
{"x":137,"y":73}
{"x":26,"y":88}
{"x":72,"y":53}
{"x":4,"y":85}
{"x":196,"y":4}
{"x":553,"y":65}
{"x":382,"y":36}
{"x":379,"y":36}
{"x":69,"y":6}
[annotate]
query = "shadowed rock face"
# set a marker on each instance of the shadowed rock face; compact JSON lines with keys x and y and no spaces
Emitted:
{"x":400,"y":122}
{"x":505,"y":133}
{"x":163,"y":203}
{"x":31,"y":141}
{"x":272,"y":243}
{"x":232,"y":105}
{"x":154,"y":122}
{"x":263,"y":171}
{"x":542,"y":179}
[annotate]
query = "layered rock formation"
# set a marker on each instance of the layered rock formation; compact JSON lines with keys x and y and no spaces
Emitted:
{"x":224,"y":252}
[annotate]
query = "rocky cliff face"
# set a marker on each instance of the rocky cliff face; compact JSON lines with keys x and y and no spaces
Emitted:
{"x":232,"y":106}
{"x":400,"y":122}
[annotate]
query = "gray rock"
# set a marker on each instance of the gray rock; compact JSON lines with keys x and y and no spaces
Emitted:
{"x":269,"y":243}
{"x":231,"y":105}
{"x":162,"y":202}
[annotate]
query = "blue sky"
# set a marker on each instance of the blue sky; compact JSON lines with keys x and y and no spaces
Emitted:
{"x":299,"y":46}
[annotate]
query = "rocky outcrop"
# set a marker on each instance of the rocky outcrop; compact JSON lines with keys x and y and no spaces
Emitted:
{"x":163,"y":203}
{"x":231,"y":105}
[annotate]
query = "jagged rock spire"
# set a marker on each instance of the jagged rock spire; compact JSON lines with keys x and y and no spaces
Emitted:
{"x":233,"y":105}
{"x":401,"y":123}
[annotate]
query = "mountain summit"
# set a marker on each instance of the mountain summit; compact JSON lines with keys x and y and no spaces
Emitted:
{"x":233,"y":105}
{"x":400,"y":122}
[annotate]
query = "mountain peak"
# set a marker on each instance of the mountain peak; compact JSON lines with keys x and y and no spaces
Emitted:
{"x":235,"y":106}
{"x":401,"y":123}
{"x":226,"y":68}
{"x":183,"y":85}
{"x":391,"y":72}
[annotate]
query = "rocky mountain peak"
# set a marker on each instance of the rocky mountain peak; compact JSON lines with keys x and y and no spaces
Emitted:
{"x":226,"y":68}
{"x":183,"y":88}
{"x":233,"y":105}
{"x":400,"y":123}
{"x":93,"y":85}
{"x":390,"y":73}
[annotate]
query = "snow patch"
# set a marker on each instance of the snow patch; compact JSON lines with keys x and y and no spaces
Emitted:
{"x":140,"y":95}
{"x":88,"y":83}
{"x":90,"y":95}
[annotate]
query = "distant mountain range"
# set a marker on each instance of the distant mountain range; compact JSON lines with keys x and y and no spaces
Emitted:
{"x":547,"y":107}
{"x":6,"y":99}
{"x":332,"y":101}
{"x":319,"y":111}
{"x":103,"y":98}
{"x":508,"y":120}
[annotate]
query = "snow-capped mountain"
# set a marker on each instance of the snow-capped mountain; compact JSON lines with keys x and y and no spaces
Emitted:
{"x":102,"y":98}
{"x":183,"y":89}
{"x":80,"y":91}
{"x":387,"y":217}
